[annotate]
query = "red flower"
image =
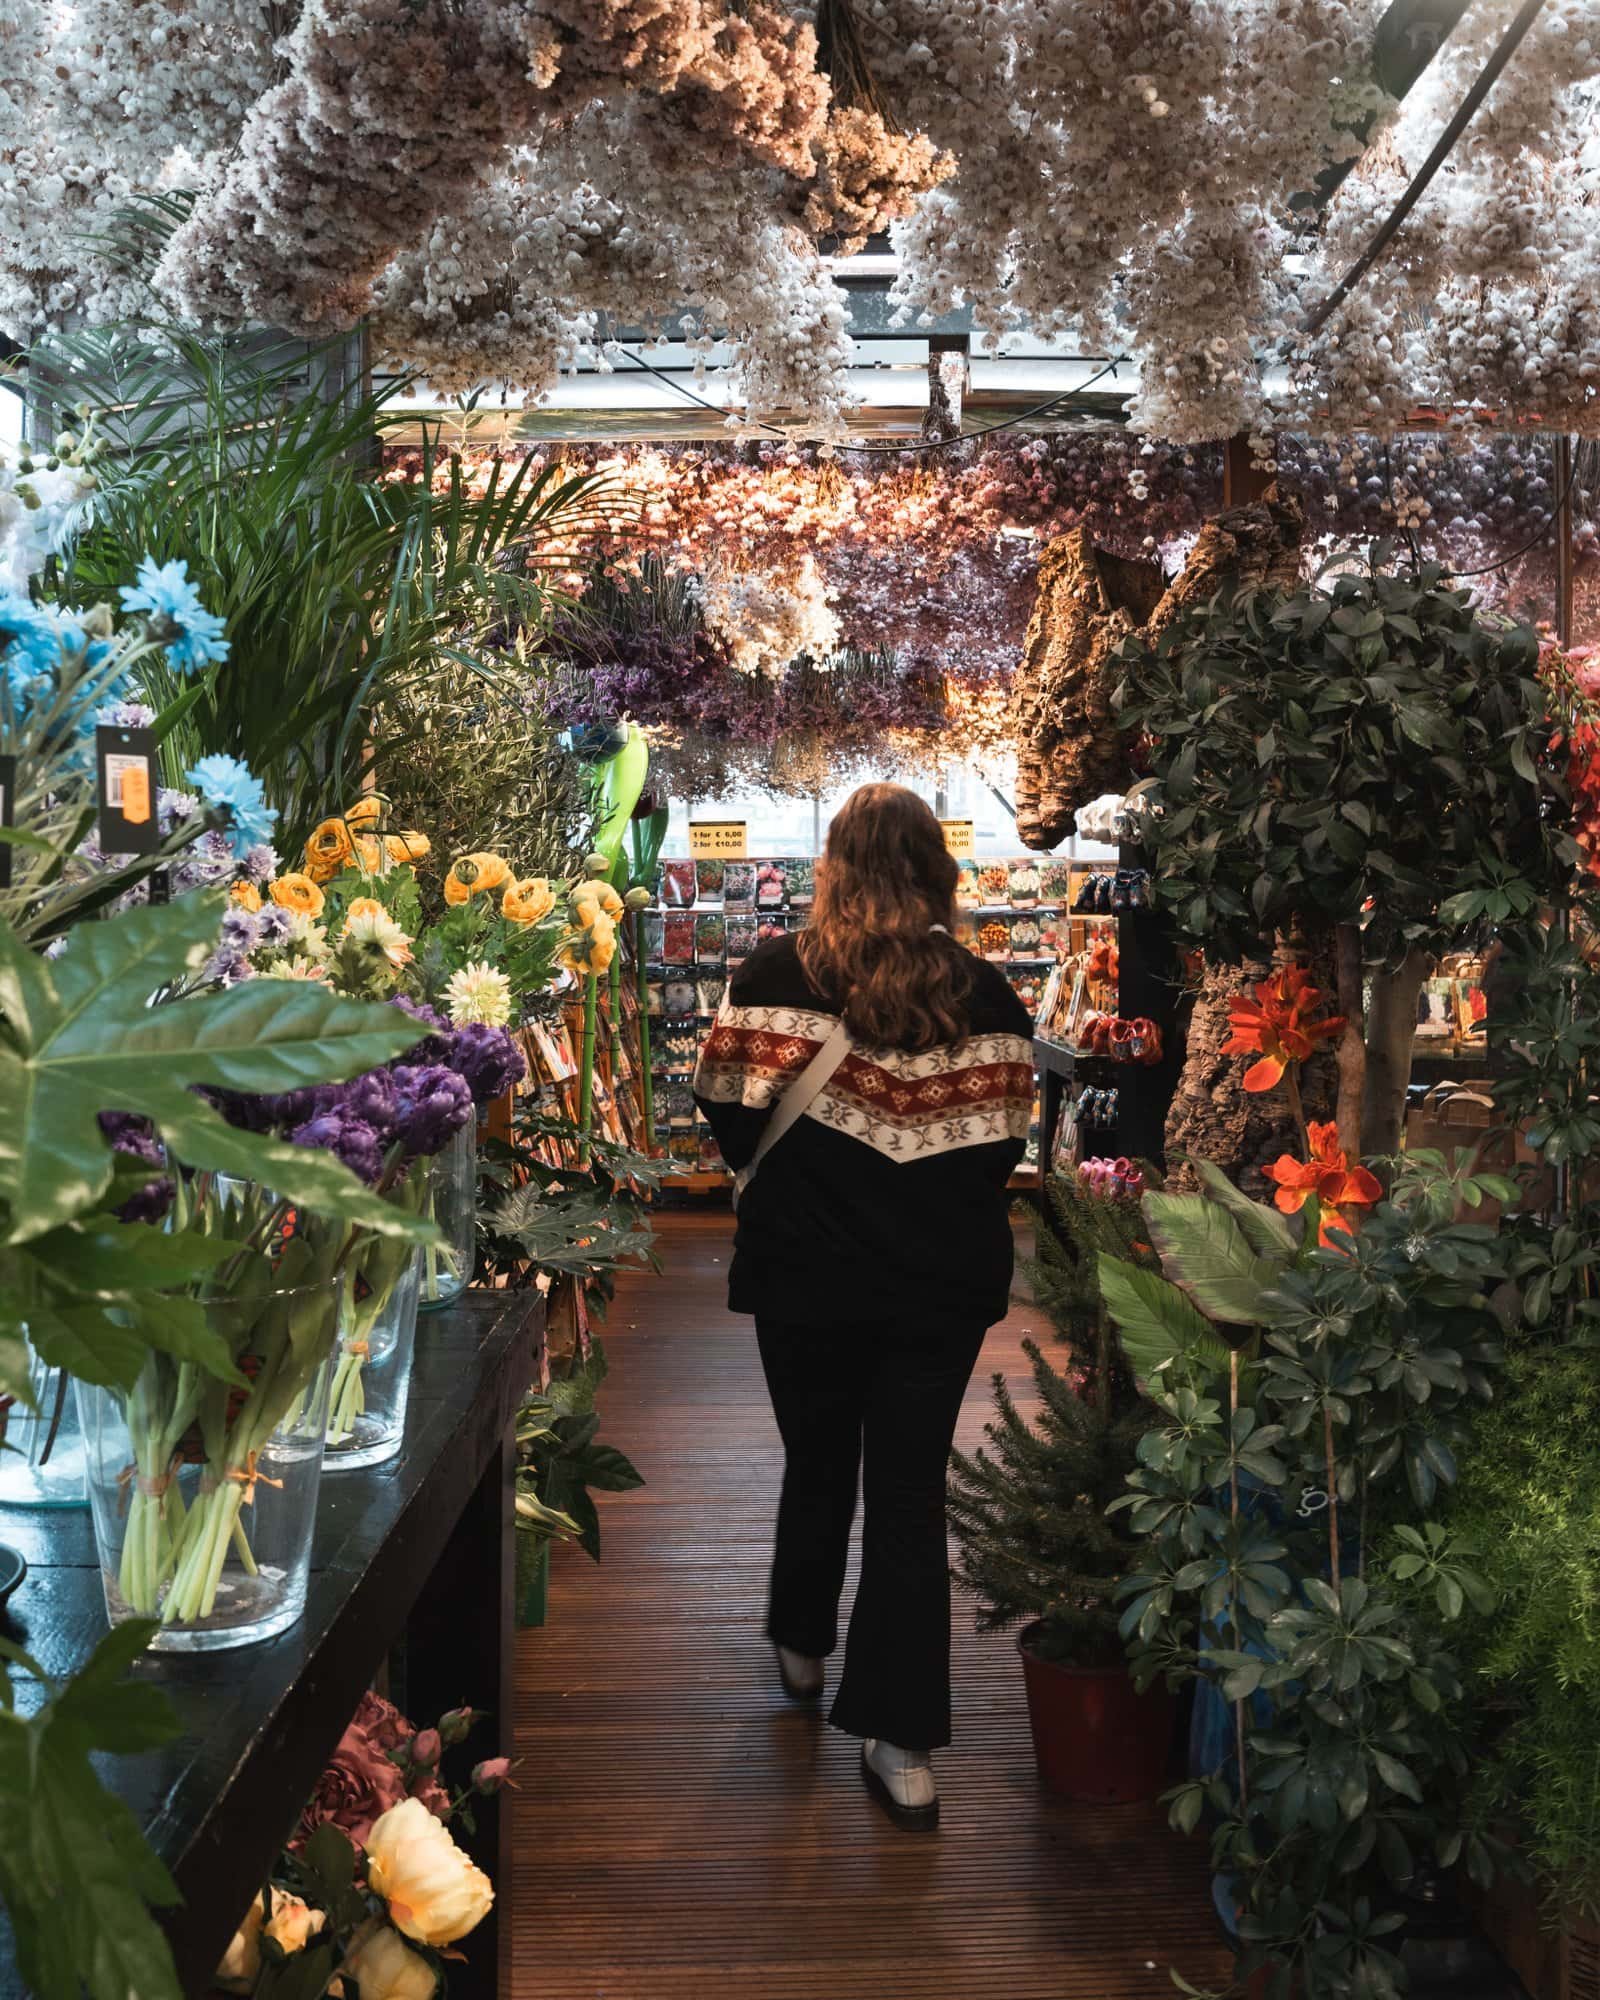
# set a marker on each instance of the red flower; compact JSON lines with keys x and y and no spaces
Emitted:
{"x":1339,"y":1187}
{"x":1277,"y":1025}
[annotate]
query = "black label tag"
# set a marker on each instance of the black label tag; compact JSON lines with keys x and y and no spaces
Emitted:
{"x":8,"y":814}
{"x":126,"y":771}
{"x":159,"y":886}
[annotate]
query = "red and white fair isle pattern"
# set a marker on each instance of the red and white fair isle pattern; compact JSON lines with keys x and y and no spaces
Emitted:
{"x":971,"y":1093}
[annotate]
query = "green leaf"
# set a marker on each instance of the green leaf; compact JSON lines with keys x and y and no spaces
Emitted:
{"x":85,"y":1040}
{"x":605,"y":1468}
{"x":1265,"y":1230}
{"x":1205,"y":1251}
{"x":1157,"y":1324}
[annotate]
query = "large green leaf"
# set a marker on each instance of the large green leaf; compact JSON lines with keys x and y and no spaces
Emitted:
{"x":1158,"y":1325}
{"x":79,"y":1037}
{"x":1204,"y":1250}
{"x":1265,"y":1230}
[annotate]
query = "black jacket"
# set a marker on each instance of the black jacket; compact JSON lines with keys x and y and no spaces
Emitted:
{"x":889,"y":1194}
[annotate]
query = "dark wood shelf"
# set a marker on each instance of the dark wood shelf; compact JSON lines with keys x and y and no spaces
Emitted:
{"x":413,"y":1558}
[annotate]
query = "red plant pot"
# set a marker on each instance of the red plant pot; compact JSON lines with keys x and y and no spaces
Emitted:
{"x":1096,"y":1738}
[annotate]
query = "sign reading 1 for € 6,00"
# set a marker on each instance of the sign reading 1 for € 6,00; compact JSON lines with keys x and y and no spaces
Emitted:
{"x":958,"y":838}
{"x":716,"y":840}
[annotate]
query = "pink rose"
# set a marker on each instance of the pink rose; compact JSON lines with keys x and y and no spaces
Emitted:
{"x":361,"y":1783}
{"x":491,"y":1774}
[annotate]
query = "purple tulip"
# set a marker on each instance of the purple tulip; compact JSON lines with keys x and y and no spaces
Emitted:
{"x":350,"y":1140}
{"x":434,"y":1048}
{"x":432,"y":1105}
{"x":489,"y":1060}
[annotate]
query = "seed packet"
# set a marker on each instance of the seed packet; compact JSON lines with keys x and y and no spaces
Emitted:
{"x":770,"y":927}
{"x":710,"y":940}
{"x":674,"y":1103}
{"x":1054,"y":931}
{"x":708,"y":878}
{"x":742,"y":936}
{"x":994,"y":938}
{"x":770,"y":885}
{"x":968,"y":894}
{"x":678,"y":884}
{"x":710,"y":1158}
{"x":1055,"y":881}
{"x":655,"y":934}
{"x":1025,"y":936}
{"x":1023,"y":885}
{"x":1027,"y":988}
{"x":708,"y":994}
{"x":679,"y":995}
{"x":684,"y":1148}
{"x":994,"y":882}
{"x":676,"y":1049}
{"x":738,"y":885}
{"x":800,"y":880}
{"x":678,"y":944}
{"x":655,"y":998}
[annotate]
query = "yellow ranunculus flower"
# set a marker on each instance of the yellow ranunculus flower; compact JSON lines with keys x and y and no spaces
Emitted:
{"x":246,"y":895}
{"x":369,"y":854}
{"x":592,"y":948}
{"x":475,"y":875}
{"x":293,"y":1923}
{"x":364,"y":906}
{"x":404,"y":847}
{"x":366,"y":811}
{"x":529,"y":901}
{"x":434,"y":1892}
{"x":329,"y":849}
{"x":386,"y":1968}
{"x":597,"y":895}
{"x":297,"y":892}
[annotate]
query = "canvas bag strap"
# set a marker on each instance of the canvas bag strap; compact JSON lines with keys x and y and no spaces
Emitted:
{"x":797,"y":1100}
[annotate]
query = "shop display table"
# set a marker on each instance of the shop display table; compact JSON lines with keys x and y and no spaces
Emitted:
{"x":413,"y":1558}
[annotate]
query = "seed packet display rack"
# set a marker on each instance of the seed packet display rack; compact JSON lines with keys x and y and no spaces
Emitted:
{"x":708,"y":916}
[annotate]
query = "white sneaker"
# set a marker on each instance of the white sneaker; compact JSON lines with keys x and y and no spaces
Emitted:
{"x":902,"y":1783}
{"x":800,"y":1673}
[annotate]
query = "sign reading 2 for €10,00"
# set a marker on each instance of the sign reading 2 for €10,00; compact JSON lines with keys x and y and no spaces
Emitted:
{"x":716,"y":840}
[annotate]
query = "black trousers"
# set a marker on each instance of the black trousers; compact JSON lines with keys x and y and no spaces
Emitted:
{"x":880,"y":1400}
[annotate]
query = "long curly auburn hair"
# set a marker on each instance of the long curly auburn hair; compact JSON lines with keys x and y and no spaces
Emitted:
{"x":885,"y":880}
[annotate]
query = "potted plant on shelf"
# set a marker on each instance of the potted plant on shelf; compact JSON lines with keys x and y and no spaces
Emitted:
{"x":1030,"y":1514}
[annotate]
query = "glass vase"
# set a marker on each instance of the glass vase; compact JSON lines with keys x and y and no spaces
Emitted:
{"x":41,"y":1450}
{"x":205,"y":1492}
{"x":453,"y":1195}
{"x":372,"y":1372}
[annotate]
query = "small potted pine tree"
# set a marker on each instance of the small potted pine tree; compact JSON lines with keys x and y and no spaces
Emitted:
{"x":1029,"y":1511}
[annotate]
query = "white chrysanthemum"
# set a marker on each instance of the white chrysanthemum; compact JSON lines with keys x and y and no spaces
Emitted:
{"x":478,"y":995}
{"x":377,"y":929}
{"x":295,"y":968}
{"x":307,"y":938}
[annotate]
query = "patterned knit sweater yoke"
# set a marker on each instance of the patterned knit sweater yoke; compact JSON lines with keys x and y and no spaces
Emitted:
{"x":890,"y":1193}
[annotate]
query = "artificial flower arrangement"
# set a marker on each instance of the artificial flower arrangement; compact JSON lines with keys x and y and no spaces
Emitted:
{"x":373,"y":1888}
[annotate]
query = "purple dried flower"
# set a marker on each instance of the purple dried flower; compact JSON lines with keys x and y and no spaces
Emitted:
{"x":242,"y":1109}
{"x":350,"y":1140}
{"x":433,"y":1104}
{"x":490,"y":1061}
{"x":275,"y":924}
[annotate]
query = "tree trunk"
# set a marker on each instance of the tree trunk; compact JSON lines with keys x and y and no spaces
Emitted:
{"x":1352,"y":1048}
{"x":1391,"y":1033}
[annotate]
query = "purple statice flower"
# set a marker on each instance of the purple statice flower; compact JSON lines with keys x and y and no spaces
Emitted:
{"x":489,"y":1060}
{"x":434,"y":1048}
{"x":260,"y":864}
{"x":136,"y":1137}
{"x":350,"y":1140}
{"x":432,"y":1105}
{"x":274,"y":923}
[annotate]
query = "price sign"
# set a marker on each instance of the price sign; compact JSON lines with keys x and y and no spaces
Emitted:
{"x":716,"y":840}
{"x":958,"y":838}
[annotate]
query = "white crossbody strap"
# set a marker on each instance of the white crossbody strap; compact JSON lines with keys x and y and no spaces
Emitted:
{"x":797,"y":1100}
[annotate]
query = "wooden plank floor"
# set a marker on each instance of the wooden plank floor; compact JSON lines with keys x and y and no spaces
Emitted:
{"x":682,"y":1831}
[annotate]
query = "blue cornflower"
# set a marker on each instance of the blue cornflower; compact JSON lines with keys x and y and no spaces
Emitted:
{"x":30,"y":642}
{"x":225,"y":784}
{"x":164,"y":590}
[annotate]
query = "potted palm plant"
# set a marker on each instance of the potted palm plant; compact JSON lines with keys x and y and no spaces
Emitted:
{"x":1029,"y":1511}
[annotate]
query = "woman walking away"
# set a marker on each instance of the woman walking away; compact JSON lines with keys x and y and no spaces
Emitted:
{"x":871,"y":1082}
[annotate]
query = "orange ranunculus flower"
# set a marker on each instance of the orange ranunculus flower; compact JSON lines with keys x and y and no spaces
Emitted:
{"x":365,"y":906}
{"x":475,"y":875}
{"x":404,"y":847}
{"x":529,"y":901}
{"x":592,"y":948}
{"x":246,"y":895}
{"x":1277,"y":1025}
{"x":1341,"y":1190}
{"x":366,"y":811}
{"x":329,"y":849}
{"x":590,"y":896}
{"x":368,"y":854}
{"x":297,"y":892}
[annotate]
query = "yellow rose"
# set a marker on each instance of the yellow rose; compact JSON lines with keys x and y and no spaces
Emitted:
{"x":597,"y":895}
{"x":241,"y":1962}
{"x":297,"y":892}
{"x":369,"y":854}
{"x":246,"y":895}
{"x":364,"y":906}
{"x":529,"y":901}
{"x":292,"y":1924}
{"x":593,"y":948}
{"x":404,"y":847}
{"x":475,"y":875}
{"x":366,"y":811}
{"x":328,"y":850}
{"x":386,"y":1968}
{"x":434,"y":1892}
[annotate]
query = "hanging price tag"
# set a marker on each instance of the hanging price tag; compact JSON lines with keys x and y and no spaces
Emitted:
{"x":958,"y":838}
{"x":8,"y":814}
{"x":127,"y":787}
{"x":717,"y":840}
